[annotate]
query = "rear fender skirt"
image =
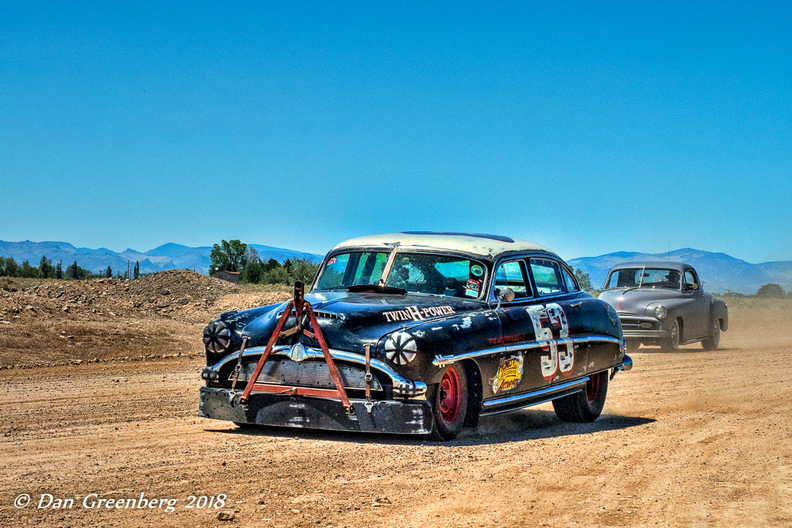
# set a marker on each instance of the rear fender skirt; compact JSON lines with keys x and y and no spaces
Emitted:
{"x":442,"y":361}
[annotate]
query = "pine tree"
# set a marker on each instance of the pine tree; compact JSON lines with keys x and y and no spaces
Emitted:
{"x":45,"y":267}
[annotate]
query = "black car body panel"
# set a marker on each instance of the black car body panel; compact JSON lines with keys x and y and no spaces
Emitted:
{"x":513,"y":352}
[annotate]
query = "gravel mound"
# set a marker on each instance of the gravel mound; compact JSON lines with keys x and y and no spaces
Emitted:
{"x":174,"y":291}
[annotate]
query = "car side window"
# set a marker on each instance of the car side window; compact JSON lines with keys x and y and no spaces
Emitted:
{"x":511,"y":274}
{"x":690,"y":280}
{"x":547,"y":276}
{"x":569,"y":280}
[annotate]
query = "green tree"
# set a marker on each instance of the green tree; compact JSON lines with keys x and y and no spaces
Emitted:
{"x":45,"y":267}
{"x":75,"y":272}
{"x":303,"y":270}
{"x":277,"y":275}
{"x":228,"y":256}
{"x":28,"y":271}
{"x":8,"y":267}
{"x":584,"y":280}
{"x":253,"y":272}
{"x":59,"y":270}
{"x":136,"y":270}
{"x":109,"y":272}
{"x":771,"y":290}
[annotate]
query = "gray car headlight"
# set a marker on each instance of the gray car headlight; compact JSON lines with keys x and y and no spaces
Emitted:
{"x":660,"y":311}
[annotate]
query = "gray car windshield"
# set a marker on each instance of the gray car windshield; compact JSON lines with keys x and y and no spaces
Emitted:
{"x":643,"y":278}
{"x":414,"y":272}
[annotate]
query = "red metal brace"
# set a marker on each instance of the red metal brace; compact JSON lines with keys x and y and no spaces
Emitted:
{"x":300,"y":305}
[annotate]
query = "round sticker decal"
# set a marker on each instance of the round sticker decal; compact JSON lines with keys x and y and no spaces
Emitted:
{"x":476,"y":270}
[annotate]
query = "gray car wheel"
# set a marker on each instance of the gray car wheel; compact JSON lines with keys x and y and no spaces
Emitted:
{"x":712,"y":342}
{"x":672,"y":343}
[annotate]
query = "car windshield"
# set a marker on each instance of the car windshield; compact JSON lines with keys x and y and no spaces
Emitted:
{"x":643,"y":278}
{"x":414,"y":272}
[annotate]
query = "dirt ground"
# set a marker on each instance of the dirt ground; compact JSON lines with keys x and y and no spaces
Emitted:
{"x":91,"y":411}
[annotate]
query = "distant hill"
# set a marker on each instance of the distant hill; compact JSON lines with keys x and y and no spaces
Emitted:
{"x":719,"y":271}
{"x":165,"y":257}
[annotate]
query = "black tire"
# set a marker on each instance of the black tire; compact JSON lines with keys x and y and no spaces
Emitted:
{"x":449,"y":403}
{"x":712,"y":342}
{"x":584,"y":406}
{"x":672,"y":343}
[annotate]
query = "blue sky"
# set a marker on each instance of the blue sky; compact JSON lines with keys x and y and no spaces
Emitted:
{"x":589,"y":127}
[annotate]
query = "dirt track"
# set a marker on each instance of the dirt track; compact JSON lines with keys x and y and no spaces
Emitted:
{"x":693,"y":438}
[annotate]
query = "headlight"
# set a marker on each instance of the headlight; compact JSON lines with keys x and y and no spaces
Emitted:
{"x":217,"y":337}
{"x":400,"y":348}
{"x":660,"y":311}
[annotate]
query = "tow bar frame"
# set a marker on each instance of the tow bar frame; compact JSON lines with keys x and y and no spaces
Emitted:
{"x":302,"y":308}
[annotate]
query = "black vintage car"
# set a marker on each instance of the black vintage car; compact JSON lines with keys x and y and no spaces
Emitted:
{"x":663,"y":303}
{"x":417,"y":333}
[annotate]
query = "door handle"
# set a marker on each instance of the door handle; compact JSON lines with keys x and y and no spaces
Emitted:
{"x":576,"y":305}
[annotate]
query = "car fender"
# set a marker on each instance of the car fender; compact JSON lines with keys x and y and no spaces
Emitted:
{"x":720,"y":311}
{"x":453,"y":335}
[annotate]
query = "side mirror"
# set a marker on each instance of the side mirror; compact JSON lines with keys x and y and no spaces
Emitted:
{"x":506,"y":294}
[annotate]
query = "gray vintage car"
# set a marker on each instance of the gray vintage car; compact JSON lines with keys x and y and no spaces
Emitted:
{"x":662,"y":303}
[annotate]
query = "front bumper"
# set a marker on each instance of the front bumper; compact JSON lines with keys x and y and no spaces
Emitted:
{"x":647,"y":334}
{"x":388,"y":416}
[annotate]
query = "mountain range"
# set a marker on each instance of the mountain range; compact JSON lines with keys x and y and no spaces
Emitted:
{"x":719,"y":272}
{"x":165,"y":257}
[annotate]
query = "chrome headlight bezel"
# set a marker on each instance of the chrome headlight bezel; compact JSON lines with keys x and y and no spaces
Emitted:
{"x":660,"y":311}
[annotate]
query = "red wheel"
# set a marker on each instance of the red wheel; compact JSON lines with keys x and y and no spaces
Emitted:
{"x":449,"y":398}
{"x":450,"y":403}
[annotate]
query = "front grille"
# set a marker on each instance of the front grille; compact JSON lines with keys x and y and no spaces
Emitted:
{"x":637,"y":324}
{"x":318,"y":314}
{"x":314,"y":374}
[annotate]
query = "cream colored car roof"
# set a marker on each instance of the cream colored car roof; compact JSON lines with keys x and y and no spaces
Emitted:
{"x":474,"y":244}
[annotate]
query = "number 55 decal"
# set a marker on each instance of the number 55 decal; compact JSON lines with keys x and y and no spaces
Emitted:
{"x":552,"y":331}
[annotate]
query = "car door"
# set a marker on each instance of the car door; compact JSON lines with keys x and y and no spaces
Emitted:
{"x":542,"y":311}
{"x":697,"y":319}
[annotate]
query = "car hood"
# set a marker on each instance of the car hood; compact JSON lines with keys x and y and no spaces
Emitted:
{"x":636,"y":301}
{"x":350,"y":320}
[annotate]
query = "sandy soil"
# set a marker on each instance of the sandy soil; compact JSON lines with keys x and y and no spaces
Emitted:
{"x":688,"y":439}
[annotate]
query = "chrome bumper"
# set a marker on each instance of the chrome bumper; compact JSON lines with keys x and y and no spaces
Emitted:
{"x":402,"y":387}
{"x":646,"y":334}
